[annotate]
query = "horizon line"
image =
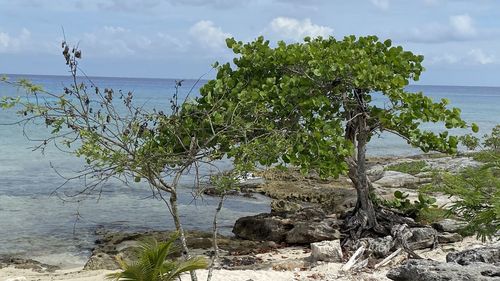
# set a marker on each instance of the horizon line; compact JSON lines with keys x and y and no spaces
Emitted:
{"x":202,"y":79}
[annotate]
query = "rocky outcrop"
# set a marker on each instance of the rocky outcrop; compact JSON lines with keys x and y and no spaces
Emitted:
{"x":23,"y":263}
{"x":329,"y":251}
{"x":279,"y":206}
{"x":423,"y":238}
{"x":484,"y":254}
{"x":120,"y":245}
{"x":429,"y":270}
{"x":307,"y":232}
{"x":303,"y":227}
{"x":331,"y":195}
{"x":375,"y":172}
{"x":393,"y":179}
{"x":449,"y":225}
{"x":446,"y":237}
{"x":264,"y":226}
{"x":101,"y":261}
{"x":451,"y":164}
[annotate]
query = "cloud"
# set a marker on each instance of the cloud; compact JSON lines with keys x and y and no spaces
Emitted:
{"x":462,"y":25}
{"x":479,"y":56}
{"x":295,"y":29}
{"x":117,"y":41}
{"x":381,"y":4}
{"x":472,"y":57}
{"x":14,"y":43}
{"x":209,"y":35}
{"x":458,"y":28}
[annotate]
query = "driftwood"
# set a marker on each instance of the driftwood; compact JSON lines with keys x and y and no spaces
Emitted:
{"x":388,"y":258}
{"x":354,"y":259}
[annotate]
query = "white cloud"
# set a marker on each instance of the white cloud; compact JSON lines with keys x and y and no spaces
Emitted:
{"x":458,"y":28}
{"x":12,"y":43}
{"x":462,"y":25}
{"x":446,"y":58}
{"x":209,"y":35}
{"x":472,"y":57}
{"x":381,"y":4}
{"x":291,"y":28}
{"x":479,"y":56}
{"x":118,"y":41}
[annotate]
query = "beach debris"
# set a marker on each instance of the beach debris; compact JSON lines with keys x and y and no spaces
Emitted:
{"x":390,"y":257}
{"x":354,"y":259}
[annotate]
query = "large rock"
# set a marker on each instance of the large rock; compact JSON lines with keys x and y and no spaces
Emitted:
{"x":329,"y":251}
{"x":429,"y":270}
{"x":395,"y":179}
{"x":375,"y":172}
{"x":101,"y":261}
{"x":262,"y":227}
{"x":303,"y":227}
{"x":332,"y":195}
{"x":446,"y":237}
{"x":449,"y":225}
{"x":309,"y":232}
{"x":23,"y":263}
{"x":484,"y":254}
{"x":451,"y":164}
{"x":423,"y":238}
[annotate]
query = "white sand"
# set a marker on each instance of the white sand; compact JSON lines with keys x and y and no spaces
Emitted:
{"x":289,"y":259}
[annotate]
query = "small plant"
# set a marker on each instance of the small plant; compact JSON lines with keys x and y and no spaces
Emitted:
{"x":404,"y":205}
{"x":412,"y":168}
{"x":469,"y":141}
{"x":492,"y":141}
{"x":153,"y":263}
{"x":478,"y":190}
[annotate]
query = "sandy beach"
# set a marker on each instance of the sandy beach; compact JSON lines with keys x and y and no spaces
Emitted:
{"x":287,"y":264}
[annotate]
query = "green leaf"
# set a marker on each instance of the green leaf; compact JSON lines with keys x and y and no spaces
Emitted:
{"x":475,"y":127}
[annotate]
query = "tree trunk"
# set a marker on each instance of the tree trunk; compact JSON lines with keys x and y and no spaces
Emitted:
{"x":364,"y":203}
{"x":180,"y":229}
{"x":364,"y":216}
{"x":214,"y":237}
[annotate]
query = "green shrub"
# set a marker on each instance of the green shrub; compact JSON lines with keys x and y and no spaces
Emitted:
{"x":417,"y":208}
{"x":412,"y":168}
{"x":153,"y":264}
{"x":432,"y":214}
{"x":469,"y":141}
{"x":492,"y":141}
{"x":478,"y":190}
{"x":486,"y":156}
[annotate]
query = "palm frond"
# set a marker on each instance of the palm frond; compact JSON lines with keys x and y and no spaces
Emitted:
{"x":153,"y":263}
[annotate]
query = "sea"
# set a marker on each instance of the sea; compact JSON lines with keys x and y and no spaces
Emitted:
{"x":49,"y":226}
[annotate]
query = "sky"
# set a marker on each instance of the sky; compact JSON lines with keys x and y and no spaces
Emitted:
{"x":183,"y":38}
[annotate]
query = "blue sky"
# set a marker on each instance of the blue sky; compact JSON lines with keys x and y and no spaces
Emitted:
{"x":182,"y":38}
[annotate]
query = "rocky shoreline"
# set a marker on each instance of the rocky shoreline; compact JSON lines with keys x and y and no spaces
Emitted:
{"x":307,"y":210}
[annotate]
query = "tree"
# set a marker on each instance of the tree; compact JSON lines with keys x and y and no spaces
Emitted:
{"x":316,"y":105}
{"x":122,"y":141}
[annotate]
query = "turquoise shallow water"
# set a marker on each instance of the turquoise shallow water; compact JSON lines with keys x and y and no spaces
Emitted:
{"x":32,"y":222}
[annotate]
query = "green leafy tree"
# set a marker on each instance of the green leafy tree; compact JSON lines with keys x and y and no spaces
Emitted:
{"x":312,"y":105}
{"x":153,"y":263}
{"x":119,"y":140}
